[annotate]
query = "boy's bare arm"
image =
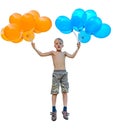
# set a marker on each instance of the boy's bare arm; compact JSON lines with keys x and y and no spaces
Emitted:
{"x":41,"y":53}
{"x":74,"y":54}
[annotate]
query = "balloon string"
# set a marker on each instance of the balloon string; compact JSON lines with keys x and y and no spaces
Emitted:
{"x":76,"y":36}
{"x":31,"y":40}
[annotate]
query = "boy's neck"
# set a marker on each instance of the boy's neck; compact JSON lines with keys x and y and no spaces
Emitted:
{"x":59,"y":50}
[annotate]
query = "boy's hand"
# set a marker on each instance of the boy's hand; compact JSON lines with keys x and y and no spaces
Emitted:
{"x":78,"y":45}
{"x":33,"y":44}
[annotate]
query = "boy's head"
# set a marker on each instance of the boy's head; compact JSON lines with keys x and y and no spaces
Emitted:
{"x":58,"y":44}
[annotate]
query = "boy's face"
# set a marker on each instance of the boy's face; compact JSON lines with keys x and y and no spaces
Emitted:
{"x":58,"y":45}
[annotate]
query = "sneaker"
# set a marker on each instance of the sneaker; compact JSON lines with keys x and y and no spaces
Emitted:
{"x":65,"y":115}
{"x":53,"y":116}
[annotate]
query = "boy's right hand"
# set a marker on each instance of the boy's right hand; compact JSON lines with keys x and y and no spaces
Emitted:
{"x":33,"y":44}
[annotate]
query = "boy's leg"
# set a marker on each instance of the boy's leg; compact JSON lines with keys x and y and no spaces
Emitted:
{"x":64,"y":94}
{"x":65,"y":89}
{"x":54,"y":111}
{"x":64,"y":112}
{"x":54,"y":92}
{"x":54,"y":96}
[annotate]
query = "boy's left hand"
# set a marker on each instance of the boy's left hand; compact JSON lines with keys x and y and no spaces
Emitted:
{"x":78,"y":45}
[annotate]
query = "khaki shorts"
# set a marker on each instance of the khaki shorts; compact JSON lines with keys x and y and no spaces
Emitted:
{"x":59,"y":78}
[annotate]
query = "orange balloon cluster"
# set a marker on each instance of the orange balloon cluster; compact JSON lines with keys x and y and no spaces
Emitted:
{"x":24,"y":27}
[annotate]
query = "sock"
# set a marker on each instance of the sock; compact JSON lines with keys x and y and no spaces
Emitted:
{"x":65,"y":108}
{"x":53,"y":109}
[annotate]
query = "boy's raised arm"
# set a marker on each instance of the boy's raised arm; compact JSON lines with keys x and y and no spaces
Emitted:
{"x":74,"y":54}
{"x":41,"y":53}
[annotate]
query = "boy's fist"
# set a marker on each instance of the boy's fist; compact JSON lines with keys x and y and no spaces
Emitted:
{"x":78,"y":45}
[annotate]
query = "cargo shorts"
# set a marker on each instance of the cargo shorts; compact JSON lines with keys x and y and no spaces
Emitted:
{"x":59,"y":78}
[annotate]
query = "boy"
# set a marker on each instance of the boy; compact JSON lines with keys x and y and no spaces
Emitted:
{"x":60,"y":75}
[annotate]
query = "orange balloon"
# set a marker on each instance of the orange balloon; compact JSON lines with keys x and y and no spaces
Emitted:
{"x":36,"y":30}
{"x":28,"y":36}
{"x":18,"y":40}
{"x":12,"y":32}
{"x":35,"y":14}
{"x":43,"y":24}
{"x":3,"y":35}
{"x":27,"y":22}
{"x":15,"y":18}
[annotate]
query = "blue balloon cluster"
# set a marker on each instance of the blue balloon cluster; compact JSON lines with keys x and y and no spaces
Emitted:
{"x":86,"y":23}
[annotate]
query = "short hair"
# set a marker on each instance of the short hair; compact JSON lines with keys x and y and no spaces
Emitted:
{"x":59,"y":40}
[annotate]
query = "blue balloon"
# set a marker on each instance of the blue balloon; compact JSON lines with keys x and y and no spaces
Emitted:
{"x":78,"y":19}
{"x":78,"y":29}
{"x":93,"y":25}
{"x":104,"y":31}
{"x":90,"y":13}
{"x":63,"y":24}
{"x":84,"y":37}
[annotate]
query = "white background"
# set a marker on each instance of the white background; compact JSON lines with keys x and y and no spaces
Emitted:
{"x":25,"y":77}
